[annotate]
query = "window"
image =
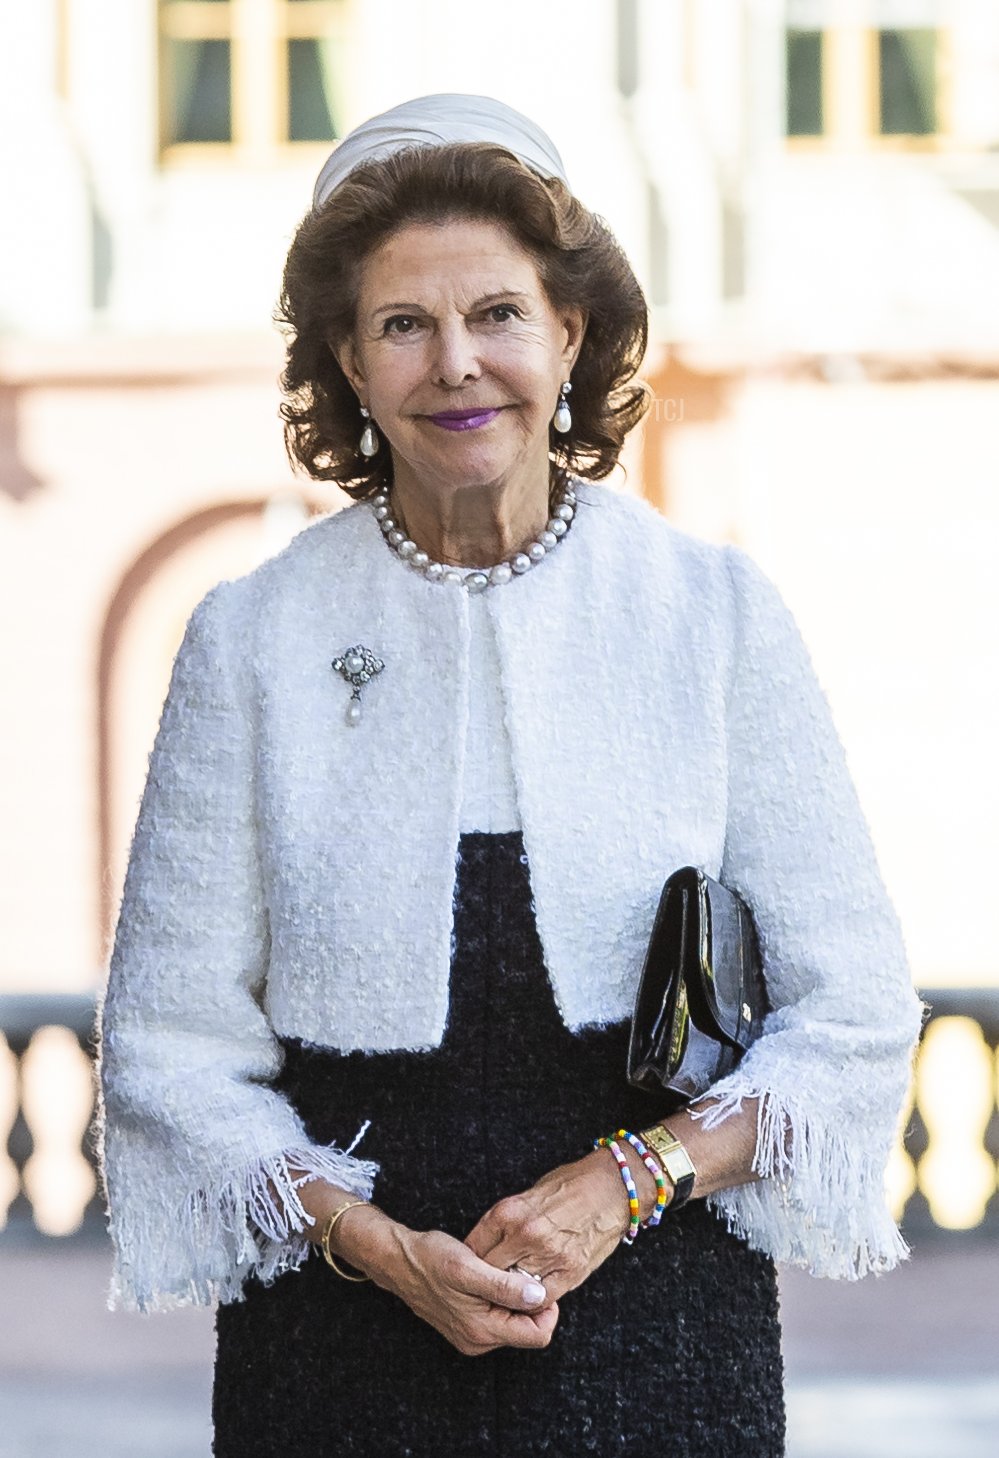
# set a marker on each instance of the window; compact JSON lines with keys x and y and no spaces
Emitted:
{"x":627,"y":27}
{"x":311,"y":102}
{"x":803,"y":67}
{"x":850,"y":83}
{"x":907,"y":82}
{"x":201,"y":75}
{"x":251,"y":75}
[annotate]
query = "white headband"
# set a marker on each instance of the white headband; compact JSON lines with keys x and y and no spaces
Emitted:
{"x":449,"y":116}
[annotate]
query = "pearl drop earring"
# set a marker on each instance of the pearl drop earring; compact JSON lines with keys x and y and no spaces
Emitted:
{"x":563,"y":416}
{"x":369,"y":440}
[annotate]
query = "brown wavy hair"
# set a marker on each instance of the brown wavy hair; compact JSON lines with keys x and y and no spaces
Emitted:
{"x":579,"y":263}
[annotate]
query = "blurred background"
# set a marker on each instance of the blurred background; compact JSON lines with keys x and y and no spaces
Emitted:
{"x":809,"y":192}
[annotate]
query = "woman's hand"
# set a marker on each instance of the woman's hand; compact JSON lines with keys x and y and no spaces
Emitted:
{"x":564,"y":1226}
{"x":475,"y":1306}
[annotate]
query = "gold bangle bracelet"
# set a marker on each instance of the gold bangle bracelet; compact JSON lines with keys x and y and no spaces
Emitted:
{"x":324,"y":1242}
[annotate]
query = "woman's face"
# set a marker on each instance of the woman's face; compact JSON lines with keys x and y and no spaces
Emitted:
{"x":452,"y":317}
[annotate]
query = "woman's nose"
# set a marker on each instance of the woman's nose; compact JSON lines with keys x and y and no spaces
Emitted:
{"x":456,"y":358}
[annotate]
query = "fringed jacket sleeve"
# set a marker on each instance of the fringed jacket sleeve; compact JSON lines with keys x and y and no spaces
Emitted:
{"x":832,"y":1067}
{"x":201,"y":1160}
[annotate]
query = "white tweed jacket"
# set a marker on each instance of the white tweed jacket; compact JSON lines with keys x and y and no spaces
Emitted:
{"x":293,"y":874}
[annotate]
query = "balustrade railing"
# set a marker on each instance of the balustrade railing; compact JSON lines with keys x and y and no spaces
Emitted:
{"x":943,"y":1176}
{"x":47,"y":1096}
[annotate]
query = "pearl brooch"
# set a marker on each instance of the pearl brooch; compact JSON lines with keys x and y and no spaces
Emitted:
{"x":475,"y":580}
{"x":357,"y":666}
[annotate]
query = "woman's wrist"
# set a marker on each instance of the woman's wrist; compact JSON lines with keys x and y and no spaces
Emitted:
{"x":362,"y":1234}
{"x":368,"y":1240}
{"x":605,"y":1165}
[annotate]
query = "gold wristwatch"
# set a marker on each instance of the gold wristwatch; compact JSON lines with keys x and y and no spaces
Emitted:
{"x":676,"y":1162}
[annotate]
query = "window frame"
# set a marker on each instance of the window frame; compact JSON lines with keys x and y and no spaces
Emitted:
{"x":258,"y":32}
{"x":851,"y":93}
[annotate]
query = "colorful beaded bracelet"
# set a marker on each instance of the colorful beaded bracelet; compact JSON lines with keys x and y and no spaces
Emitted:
{"x":655,"y":1171}
{"x":629,"y":1184}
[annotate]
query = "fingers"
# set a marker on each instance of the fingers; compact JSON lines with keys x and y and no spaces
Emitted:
{"x":558,"y":1229}
{"x":504,"y":1288}
{"x":558,"y":1274}
{"x":512,"y":1234}
{"x":518,"y":1311}
{"x":500,"y":1328}
{"x":509,"y":1223}
{"x":556,"y":1282}
{"x":473,"y":1304}
{"x":531,"y":1331}
{"x":546,"y":1321}
{"x":486,"y":1233}
{"x":478,"y":1240}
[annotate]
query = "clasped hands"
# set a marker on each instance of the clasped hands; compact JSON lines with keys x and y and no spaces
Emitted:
{"x":560,"y":1230}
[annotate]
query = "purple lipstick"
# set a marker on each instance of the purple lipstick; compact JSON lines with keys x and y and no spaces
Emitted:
{"x":463,"y":419}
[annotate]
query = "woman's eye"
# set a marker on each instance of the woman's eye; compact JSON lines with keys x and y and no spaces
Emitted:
{"x":406,"y":323}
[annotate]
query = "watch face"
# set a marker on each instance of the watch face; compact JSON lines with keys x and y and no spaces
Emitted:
{"x":665,"y":1143}
{"x":680,"y":1163}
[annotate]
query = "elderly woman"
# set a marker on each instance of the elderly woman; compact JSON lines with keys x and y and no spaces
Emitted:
{"x":417,"y":784}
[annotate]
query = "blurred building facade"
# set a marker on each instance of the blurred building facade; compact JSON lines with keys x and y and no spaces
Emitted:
{"x":809,"y":192}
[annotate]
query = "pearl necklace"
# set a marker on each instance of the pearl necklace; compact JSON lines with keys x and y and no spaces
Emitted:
{"x":473,"y":579}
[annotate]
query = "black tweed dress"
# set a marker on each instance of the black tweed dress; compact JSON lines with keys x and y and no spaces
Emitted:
{"x":671,"y":1346}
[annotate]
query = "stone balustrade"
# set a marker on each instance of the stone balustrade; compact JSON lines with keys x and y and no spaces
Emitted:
{"x":943,"y":1176}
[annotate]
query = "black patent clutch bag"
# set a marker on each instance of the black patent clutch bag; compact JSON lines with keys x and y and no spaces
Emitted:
{"x":702,"y":996}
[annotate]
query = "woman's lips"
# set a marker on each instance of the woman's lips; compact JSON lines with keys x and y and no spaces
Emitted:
{"x":463,"y":419}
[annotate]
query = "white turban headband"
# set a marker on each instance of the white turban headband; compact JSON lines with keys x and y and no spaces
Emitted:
{"x":433,"y":121}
